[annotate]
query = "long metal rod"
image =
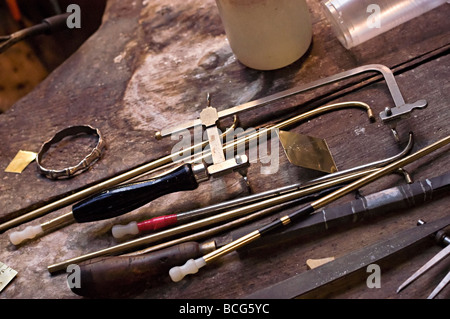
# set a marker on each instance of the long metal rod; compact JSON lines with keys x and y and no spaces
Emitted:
{"x":208,"y":221}
{"x":334,"y":196}
{"x":309,"y":281}
{"x":188,"y":216}
{"x":192,"y":266}
{"x":162,"y":162}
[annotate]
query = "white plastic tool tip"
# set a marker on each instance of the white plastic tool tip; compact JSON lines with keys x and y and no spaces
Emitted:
{"x":28,"y":233}
{"x":119,"y":231}
{"x":190,"y":267}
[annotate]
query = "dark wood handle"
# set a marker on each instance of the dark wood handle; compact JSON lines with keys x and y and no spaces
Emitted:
{"x":117,"y":276}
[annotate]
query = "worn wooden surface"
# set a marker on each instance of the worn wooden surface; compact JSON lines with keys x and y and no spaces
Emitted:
{"x":149,"y":66}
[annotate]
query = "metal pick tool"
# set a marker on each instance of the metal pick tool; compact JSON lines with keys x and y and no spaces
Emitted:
{"x":307,"y":151}
{"x":432,"y":262}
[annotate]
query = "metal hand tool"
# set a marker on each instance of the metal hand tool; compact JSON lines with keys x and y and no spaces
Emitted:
{"x":166,"y":162}
{"x":192,"y":266}
{"x":107,"y":274}
{"x":122,"y":275}
{"x":441,"y":238}
{"x":395,"y":199}
{"x":390,"y":115}
{"x":47,"y":26}
{"x":156,"y":223}
{"x":207,"y":221}
{"x":344,"y":266}
{"x":125,"y":198}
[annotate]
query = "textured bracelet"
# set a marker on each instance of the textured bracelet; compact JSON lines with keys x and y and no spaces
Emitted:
{"x":83,"y":165}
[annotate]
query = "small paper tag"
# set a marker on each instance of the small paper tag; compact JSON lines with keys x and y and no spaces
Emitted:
{"x":20,"y":162}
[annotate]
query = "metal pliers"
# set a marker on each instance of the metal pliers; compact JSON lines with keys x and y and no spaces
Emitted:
{"x":441,"y":238}
{"x":47,"y":26}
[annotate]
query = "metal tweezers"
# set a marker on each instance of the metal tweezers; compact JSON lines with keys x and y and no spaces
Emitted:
{"x":47,"y":26}
{"x":432,"y":262}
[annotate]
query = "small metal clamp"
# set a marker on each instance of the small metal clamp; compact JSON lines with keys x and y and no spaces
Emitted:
{"x":221,"y":165}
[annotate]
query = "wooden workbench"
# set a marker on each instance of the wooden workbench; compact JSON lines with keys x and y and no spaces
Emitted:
{"x":149,"y":66}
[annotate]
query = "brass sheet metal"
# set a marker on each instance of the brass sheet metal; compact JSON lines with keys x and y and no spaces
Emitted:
{"x":307,"y":151}
{"x":20,"y":161}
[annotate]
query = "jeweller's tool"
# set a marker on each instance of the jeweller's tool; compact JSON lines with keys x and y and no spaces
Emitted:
{"x":156,"y":223}
{"x":6,"y":275}
{"x":207,"y":221}
{"x":341,"y":267}
{"x":116,"y":276}
{"x":395,"y":199}
{"x":167,"y":161}
{"x":192,"y":266}
{"x":120,"y":274}
{"x":85,"y":209}
{"x":441,"y":238}
{"x":160,"y":222}
{"x":376,"y":204}
{"x":48,"y":25}
{"x":390,"y":115}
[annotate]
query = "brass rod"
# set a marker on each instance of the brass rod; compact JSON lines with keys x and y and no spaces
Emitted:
{"x":208,"y":221}
{"x":383,"y":171}
{"x":329,"y":198}
{"x":121,"y":178}
{"x":168,"y":159}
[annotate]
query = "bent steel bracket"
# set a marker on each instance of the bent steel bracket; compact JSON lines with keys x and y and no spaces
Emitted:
{"x":390,"y":115}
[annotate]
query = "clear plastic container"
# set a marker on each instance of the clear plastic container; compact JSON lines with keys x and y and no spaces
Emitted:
{"x":356,"y":21}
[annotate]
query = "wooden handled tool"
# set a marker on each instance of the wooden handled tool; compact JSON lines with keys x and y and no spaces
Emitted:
{"x":192,"y":266}
{"x":119,"y":275}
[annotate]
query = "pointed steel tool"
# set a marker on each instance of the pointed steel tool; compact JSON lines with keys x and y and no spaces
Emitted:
{"x":310,"y":280}
{"x":431,"y":263}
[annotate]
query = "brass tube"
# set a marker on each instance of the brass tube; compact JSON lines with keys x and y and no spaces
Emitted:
{"x":159,"y":163}
{"x":121,"y":178}
{"x":327,"y":199}
{"x":381,"y":172}
{"x":208,"y":221}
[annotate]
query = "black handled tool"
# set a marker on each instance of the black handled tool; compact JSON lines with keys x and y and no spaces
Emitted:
{"x":125,"y":198}
{"x":122,"y":199}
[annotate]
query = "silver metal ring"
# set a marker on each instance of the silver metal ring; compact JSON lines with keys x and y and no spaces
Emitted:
{"x":83,"y":165}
